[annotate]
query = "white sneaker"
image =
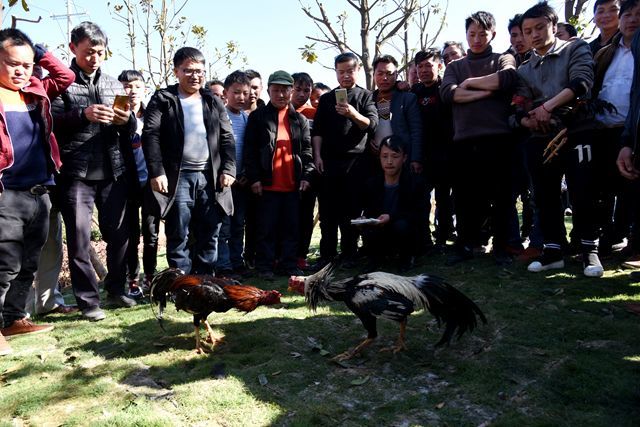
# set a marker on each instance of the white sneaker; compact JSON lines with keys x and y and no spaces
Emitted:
{"x":537,"y":266}
{"x":592,"y":265}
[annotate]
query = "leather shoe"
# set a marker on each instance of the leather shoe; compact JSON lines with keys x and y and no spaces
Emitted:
{"x":62,"y":309}
{"x":120,"y":301}
{"x":5,"y":348}
{"x":25,"y":326}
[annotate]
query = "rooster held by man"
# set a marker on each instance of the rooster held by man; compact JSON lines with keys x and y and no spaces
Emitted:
{"x":392,"y":297}
{"x":202,"y":295}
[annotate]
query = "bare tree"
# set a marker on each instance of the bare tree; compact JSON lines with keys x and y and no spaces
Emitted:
{"x":11,"y":3}
{"x":419,"y":25}
{"x":573,"y":9}
{"x":574,"y":13}
{"x":380,"y":22}
{"x":159,"y":28}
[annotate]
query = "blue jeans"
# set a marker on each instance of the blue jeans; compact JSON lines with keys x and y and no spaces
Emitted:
{"x":193,"y":223}
{"x":24,"y":224}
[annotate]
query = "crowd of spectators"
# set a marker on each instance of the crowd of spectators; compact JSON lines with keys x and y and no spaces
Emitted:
{"x":434,"y":164}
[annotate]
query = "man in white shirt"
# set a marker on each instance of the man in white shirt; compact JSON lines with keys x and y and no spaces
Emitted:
{"x":614,"y":68}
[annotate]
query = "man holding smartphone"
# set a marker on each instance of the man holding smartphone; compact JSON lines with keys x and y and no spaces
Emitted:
{"x":89,"y":131}
{"x":345,"y":118}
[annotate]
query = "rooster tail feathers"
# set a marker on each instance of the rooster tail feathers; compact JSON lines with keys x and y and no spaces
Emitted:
{"x":449,"y":306}
{"x":161,"y":284}
{"x":244,"y":298}
{"x":247,"y":298}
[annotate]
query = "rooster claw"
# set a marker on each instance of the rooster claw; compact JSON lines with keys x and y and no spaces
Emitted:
{"x":343,"y":356}
{"x":394,"y":348}
{"x":202,"y":350}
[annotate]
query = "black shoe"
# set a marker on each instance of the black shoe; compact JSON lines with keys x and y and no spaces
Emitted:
{"x":502,"y":258}
{"x":120,"y":301}
{"x":267,"y":276}
{"x":319,"y":264}
{"x":461,"y":255}
{"x":348,"y":262}
{"x":295,"y":271}
{"x":549,"y":260}
{"x":243,"y":271}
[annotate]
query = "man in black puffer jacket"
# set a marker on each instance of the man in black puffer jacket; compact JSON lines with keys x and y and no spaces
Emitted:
{"x":90,"y":131}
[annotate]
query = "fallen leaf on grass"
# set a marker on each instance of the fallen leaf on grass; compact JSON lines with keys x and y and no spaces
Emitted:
{"x":360,"y":381}
{"x":262,"y":379}
{"x":324,"y":352}
{"x":295,"y":354}
{"x":276,"y":373}
{"x":440,"y":405}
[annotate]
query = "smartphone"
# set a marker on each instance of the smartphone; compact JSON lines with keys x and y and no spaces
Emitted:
{"x":121,"y":102}
{"x":341,"y":96}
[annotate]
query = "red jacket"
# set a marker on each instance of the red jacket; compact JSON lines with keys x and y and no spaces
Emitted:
{"x":58,"y":80}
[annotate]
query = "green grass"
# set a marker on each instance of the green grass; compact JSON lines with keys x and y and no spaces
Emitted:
{"x":559,"y":350}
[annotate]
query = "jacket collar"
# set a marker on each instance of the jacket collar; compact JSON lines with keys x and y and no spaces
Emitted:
{"x":555,"y":50}
{"x":173,"y":92}
{"x":81,"y":74}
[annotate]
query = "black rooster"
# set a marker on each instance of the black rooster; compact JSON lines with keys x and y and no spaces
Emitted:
{"x":202,"y":295}
{"x":392,"y":297}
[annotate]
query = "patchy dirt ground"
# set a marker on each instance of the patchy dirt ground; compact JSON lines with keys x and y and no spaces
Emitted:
{"x":100,"y":246}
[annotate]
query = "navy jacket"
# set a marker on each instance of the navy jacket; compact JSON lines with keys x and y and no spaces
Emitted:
{"x":406,"y":123}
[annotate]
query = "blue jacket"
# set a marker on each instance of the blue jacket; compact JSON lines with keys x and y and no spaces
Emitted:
{"x":406,"y":123}
{"x":630,"y":133}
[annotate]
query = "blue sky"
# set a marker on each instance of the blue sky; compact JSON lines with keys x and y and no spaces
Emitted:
{"x":269,"y":33}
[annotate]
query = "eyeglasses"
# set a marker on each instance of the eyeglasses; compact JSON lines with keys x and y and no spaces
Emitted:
{"x":191,"y":72}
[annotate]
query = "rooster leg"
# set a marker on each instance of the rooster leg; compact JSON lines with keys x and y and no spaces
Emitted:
{"x":400,"y":345}
{"x":199,"y":348}
{"x":211,"y":338}
{"x":350,"y":353}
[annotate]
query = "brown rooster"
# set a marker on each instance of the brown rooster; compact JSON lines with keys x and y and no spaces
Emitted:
{"x":202,"y":295}
{"x":392,"y":297}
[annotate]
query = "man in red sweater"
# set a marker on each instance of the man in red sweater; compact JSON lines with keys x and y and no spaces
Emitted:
{"x":28,"y":159}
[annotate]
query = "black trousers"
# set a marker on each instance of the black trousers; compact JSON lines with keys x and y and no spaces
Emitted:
{"x":77,"y":199}
{"x":576,"y":161}
{"x":24,"y":224}
{"x":277,"y":228}
{"x":396,"y":237}
{"x":339,"y":199}
{"x":483,"y":180}
{"x":438,"y":179}
{"x":142,"y":201}
{"x":614,"y":198}
{"x":307,"y":206}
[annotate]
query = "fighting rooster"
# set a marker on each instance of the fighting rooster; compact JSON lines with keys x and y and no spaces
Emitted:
{"x":392,"y":297}
{"x":202,"y":295}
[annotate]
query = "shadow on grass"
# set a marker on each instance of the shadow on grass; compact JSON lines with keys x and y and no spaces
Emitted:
{"x":559,"y":349}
